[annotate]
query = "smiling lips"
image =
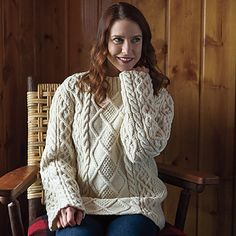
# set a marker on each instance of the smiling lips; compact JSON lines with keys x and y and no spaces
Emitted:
{"x":125,"y":59}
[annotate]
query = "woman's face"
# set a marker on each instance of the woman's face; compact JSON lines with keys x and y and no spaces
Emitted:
{"x":124,"y":46}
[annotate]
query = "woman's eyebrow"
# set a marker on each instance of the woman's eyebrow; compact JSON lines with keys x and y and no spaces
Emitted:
{"x":121,"y":36}
{"x":138,"y":35}
{"x":117,"y":35}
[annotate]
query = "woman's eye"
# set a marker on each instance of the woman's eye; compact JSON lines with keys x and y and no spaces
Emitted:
{"x":117,"y":40}
{"x":136,"y":39}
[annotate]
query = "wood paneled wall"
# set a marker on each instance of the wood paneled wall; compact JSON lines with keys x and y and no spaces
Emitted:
{"x":195,"y":42}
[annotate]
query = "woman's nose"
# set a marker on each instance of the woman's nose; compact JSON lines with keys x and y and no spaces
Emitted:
{"x":126,"y":47}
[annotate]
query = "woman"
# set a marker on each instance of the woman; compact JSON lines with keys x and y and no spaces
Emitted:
{"x":106,"y":126}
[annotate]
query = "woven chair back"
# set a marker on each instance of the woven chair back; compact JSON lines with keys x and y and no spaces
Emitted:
{"x":38,"y":106}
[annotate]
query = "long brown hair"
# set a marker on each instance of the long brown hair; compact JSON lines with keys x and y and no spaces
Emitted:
{"x":96,"y":79}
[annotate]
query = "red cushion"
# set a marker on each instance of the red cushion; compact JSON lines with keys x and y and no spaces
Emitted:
{"x":170,"y":230}
{"x":39,"y":227}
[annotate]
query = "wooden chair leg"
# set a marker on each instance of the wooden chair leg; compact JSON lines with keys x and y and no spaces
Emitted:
{"x":35,"y":209}
{"x":182,"y":208}
{"x":15,"y":219}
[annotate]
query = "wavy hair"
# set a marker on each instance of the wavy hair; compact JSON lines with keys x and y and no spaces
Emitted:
{"x":95,"y":80}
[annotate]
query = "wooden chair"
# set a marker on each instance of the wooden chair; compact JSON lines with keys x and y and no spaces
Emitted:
{"x":14,"y":183}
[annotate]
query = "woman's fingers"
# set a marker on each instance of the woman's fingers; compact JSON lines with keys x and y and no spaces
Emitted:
{"x":63,"y":218}
{"x":78,"y":217}
{"x":70,"y":213}
{"x":69,"y":216}
{"x":59,"y":224}
{"x":142,"y":68}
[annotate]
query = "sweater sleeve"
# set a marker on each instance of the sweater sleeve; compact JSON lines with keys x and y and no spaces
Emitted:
{"x":58,"y":163}
{"x":147,"y":117}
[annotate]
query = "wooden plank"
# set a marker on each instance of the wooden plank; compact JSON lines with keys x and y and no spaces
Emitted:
{"x":183,"y":66}
{"x":218,"y":116}
{"x":16,"y":59}
{"x":26,"y":43}
{"x":82,"y":28}
{"x":155,"y":13}
{"x":75,"y":36}
{"x":50,"y":36}
{"x":234,"y":189}
{"x":103,"y":5}
{"x":3,"y":166}
{"x":10,"y":120}
{"x":3,"y":161}
{"x":11,"y":71}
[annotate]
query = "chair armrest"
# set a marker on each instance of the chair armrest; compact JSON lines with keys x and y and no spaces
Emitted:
{"x":191,"y":180}
{"x":16,"y":182}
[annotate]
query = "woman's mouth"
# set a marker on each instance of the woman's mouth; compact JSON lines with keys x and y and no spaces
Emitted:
{"x":125,"y":59}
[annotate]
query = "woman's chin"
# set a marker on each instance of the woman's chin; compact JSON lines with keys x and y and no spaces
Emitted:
{"x":125,"y":68}
{"x":114,"y":70}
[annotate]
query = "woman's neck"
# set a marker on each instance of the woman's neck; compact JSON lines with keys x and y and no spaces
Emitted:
{"x":112,"y":71}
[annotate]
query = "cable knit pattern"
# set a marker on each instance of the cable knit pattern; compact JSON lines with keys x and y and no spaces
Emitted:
{"x":147,"y":121}
{"x":100,"y":159}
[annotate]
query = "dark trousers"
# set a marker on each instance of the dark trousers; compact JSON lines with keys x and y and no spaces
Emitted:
{"x":124,"y":225}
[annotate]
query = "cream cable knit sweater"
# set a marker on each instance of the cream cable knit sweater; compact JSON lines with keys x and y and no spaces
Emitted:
{"x":100,"y":159}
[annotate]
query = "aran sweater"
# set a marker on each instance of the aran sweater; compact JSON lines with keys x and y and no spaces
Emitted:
{"x":100,"y":159}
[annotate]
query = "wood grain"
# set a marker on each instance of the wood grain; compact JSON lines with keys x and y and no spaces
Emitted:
{"x":83,"y":20}
{"x":217,"y":115}
{"x":16,"y":182}
{"x":3,"y":160}
{"x":50,"y":40}
{"x":183,"y":70}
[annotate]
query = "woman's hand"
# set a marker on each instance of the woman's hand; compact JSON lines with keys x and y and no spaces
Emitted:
{"x":69,"y":216}
{"x":142,"y":68}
